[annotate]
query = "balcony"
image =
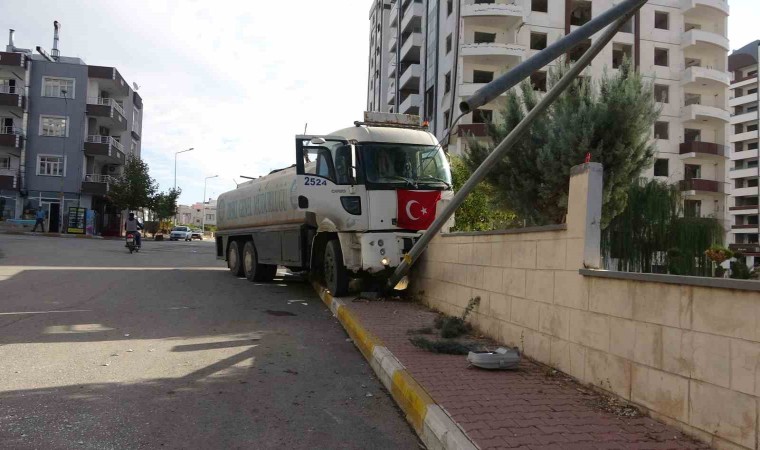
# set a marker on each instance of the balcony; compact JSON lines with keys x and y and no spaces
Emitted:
{"x":394,"y":13}
{"x":719,"y":6}
{"x":744,"y":154}
{"x":744,"y":229}
{"x":749,"y":172}
{"x":410,"y":76}
{"x":11,"y":139}
{"x":745,"y":249}
{"x":745,"y":117}
{"x":695,"y":37}
{"x":105,"y":146}
{"x":12,"y":60}
{"x":745,"y":210}
{"x":493,"y":53}
{"x":12,"y":96}
{"x":391,"y":97}
{"x":502,"y":13}
{"x":705,"y":76}
{"x":745,"y":136}
{"x":96,"y":184}
{"x":744,"y":192}
{"x":473,"y":130}
{"x":704,"y":113}
{"x":109,"y":79}
{"x":9,"y":179}
{"x":697,"y":186}
{"x":743,"y":100}
{"x":411,"y":48}
{"x":108,"y":109}
{"x":412,"y":17}
{"x":702,"y":150}
{"x":411,"y":104}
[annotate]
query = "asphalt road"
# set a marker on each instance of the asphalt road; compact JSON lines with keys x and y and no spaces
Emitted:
{"x":166,"y":349}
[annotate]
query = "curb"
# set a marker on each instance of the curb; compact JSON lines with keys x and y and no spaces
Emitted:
{"x":431,"y":423}
{"x":52,"y":235}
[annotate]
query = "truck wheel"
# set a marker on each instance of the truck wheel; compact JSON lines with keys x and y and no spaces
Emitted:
{"x":336,"y":275}
{"x":234,"y":259}
{"x":252,"y":269}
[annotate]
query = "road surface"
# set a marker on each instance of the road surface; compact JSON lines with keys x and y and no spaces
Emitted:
{"x":166,"y":349}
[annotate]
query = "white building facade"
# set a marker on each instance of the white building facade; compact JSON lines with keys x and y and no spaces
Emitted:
{"x":745,"y":170}
{"x":442,"y":51}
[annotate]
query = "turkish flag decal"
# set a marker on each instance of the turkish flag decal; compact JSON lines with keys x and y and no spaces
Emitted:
{"x":416,"y":209}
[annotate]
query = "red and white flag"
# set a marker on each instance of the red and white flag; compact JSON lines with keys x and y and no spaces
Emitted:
{"x":416,"y":209}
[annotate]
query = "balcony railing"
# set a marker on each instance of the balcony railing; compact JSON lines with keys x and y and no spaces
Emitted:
{"x":5,"y":89}
{"x":698,"y":184}
{"x":106,"y":102}
{"x":98,"y":178}
{"x":745,"y":248}
{"x":743,"y":207}
{"x":108,"y":140}
{"x":744,"y":226}
{"x":707,"y":148}
{"x":16,"y":131}
{"x":473,"y":129}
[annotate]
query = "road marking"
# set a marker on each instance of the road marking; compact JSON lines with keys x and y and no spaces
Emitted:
{"x":20,"y":313}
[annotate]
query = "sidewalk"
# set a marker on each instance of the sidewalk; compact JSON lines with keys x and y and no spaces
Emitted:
{"x":533,"y":408}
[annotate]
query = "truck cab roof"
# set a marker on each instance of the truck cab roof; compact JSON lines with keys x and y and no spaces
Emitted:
{"x":391,"y":135}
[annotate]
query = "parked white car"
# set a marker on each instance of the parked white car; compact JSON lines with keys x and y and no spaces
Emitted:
{"x":182,"y":233}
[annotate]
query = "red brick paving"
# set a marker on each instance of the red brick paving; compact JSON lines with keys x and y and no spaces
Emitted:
{"x":517,"y":409}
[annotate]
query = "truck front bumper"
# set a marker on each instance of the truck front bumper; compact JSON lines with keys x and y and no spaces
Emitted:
{"x":381,"y":251}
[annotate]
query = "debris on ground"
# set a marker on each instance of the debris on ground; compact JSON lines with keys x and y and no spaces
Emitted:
{"x":500,"y":359}
{"x":446,"y":346}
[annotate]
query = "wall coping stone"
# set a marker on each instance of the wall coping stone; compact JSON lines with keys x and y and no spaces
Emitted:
{"x":545,"y":228}
{"x":720,"y":283}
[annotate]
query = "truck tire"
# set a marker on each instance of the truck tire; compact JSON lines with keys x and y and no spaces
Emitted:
{"x":234,"y":259}
{"x":335,"y":273}
{"x":254,"y":271}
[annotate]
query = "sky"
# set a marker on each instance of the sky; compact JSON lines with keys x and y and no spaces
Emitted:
{"x":236,"y":80}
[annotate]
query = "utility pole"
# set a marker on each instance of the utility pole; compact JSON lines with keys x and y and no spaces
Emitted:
{"x":203,"y":215}
{"x":175,"y":172}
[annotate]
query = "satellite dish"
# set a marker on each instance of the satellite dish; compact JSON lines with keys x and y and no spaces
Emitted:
{"x":135,"y":86}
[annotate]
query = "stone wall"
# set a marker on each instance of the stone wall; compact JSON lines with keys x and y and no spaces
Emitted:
{"x":686,"y":349}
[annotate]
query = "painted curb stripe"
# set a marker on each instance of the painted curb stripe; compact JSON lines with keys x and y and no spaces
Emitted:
{"x":436,"y":428}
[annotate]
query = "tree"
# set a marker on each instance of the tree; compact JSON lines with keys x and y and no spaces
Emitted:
{"x":479,"y":212}
{"x":611,"y":119}
{"x":135,"y":188}
{"x":164,"y":205}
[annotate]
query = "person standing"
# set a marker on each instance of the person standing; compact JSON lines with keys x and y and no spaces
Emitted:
{"x":40,"y":219}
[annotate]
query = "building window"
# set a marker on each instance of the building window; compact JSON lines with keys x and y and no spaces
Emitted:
{"x":53,"y":126}
{"x":752,"y":146}
{"x":446,"y":117}
{"x":661,"y":130}
{"x":661,"y":168}
{"x":482,"y":76}
{"x":692,"y":135}
{"x":538,"y":41}
{"x":58,"y":87}
{"x":661,"y":20}
{"x":449,"y":7}
{"x":661,"y":57}
{"x":692,"y":171}
{"x":209,"y":217}
{"x":133,"y":148}
{"x":752,"y":127}
{"x":692,"y":208}
{"x":136,"y":120}
{"x":662,"y":93}
{"x":448,"y":44}
{"x":580,"y":12}
{"x":52,"y":166}
{"x":5,"y":162}
{"x":447,"y":83}
{"x":628,"y":26}
{"x":482,"y":116}
{"x":484,"y":38}
{"x":576,"y":52}
{"x":538,"y":81}
{"x":539,"y":5}
{"x":619,"y":53}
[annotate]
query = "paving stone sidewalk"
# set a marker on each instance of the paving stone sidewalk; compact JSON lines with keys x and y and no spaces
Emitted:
{"x":532,"y":408}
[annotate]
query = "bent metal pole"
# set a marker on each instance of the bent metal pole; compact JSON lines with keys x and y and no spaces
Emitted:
{"x":510,"y":79}
{"x":499,"y":152}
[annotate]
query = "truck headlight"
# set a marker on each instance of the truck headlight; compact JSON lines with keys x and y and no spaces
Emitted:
{"x":385,"y":261}
{"x":352,"y":205}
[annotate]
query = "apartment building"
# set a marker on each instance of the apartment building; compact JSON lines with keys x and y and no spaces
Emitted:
{"x":745,"y":170}
{"x":445,"y":50}
{"x":67,"y":130}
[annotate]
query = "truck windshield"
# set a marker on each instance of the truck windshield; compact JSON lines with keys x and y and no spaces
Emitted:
{"x":404,"y":164}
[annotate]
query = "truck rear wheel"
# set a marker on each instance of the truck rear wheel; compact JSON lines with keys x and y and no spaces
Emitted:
{"x":254,"y":271}
{"x":234,"y":259}
{"x":336,"y":275}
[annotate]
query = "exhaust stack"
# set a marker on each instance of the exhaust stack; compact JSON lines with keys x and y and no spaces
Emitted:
{"x":11,"y":44}
{"x":55,"y":53}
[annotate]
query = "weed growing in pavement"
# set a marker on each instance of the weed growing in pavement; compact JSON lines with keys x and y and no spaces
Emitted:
{"x":447,"y":346}
{"x":450,"y":328}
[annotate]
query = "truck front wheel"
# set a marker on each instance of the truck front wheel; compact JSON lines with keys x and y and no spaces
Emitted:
{"x":234,"y":259}
{"x":336,"y":275}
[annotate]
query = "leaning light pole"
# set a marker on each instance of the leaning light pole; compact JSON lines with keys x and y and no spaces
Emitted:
{"x":175,"y":172}
{"x":203,"y":214}
{"x":615,"y":17}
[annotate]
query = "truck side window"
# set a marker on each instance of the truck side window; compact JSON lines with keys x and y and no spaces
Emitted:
{"x":343,"y":165}
{"x":324,"y":165}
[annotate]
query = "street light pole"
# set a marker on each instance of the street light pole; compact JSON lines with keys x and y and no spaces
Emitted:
{"x":203,"y":215}
{"x":175,"y":172}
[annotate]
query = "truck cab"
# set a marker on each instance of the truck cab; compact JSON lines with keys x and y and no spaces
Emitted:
{"x":369,"y":191}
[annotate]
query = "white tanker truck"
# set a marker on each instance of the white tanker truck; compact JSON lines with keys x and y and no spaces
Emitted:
{"x":351,"y":206}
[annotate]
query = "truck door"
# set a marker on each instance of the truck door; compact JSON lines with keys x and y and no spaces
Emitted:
{"x":327,"y":184}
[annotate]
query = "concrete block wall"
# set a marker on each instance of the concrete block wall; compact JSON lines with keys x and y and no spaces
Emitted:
{"x":685,"y":349}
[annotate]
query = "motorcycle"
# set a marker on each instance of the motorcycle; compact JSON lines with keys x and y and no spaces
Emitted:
{"x":131,"y":244}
